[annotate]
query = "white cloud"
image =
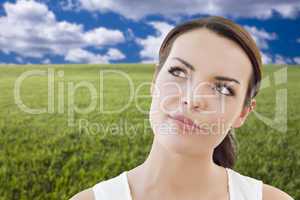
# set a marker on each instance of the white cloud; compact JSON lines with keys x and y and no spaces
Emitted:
{"x":266,"y":58}
{"x":84,"y":56}
{"x":30,"y":29}
{"x":297,"y":60}
{"x":148,"y":61}
{"x":19,"y":59}
{"x":69,"y":5}
{"x":262,"y":39}
{"x":280,"y":60}
{"x":260,"y":36}
{"x":136,"y":9}
{"x":277,"y":59}
{"x":298,"y":40}
{"x":114,"y":54}
{"x":46,"y":61}
{"x":102,"y":36}
{"x":151,"y":44}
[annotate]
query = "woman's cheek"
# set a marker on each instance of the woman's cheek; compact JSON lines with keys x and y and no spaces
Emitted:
{"x":170,"y":95}
{"x":218,"y":114}
{"x":228,"y":114}
{"x":163,"y":97}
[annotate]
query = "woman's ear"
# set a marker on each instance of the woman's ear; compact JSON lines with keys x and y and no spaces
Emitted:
{"x":244,"y":114}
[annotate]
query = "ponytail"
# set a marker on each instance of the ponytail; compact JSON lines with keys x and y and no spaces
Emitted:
{"x":225,"y":153}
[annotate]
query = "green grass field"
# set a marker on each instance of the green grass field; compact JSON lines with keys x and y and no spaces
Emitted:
{"x":43,"y":157}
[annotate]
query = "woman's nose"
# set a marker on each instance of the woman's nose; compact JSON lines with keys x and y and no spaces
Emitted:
{"x":196,"y":96}
{"x":194,"y":104}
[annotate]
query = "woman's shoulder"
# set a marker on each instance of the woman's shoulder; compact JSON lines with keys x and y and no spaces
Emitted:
{"x":273,"y":193}
{"x":268,"y":192}
{"x":241,"y":180}
{"x":84,"y":195}
{"x":108,"y":188}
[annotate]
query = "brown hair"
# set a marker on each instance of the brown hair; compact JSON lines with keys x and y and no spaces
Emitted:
{"x":225,"y":153}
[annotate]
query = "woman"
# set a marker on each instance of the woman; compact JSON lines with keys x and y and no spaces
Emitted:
{"x":204,"y":86}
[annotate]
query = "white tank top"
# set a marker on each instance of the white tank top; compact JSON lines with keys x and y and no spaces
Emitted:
{"x":240,"y":187}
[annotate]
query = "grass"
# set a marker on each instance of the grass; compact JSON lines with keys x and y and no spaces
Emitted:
{"x":43,"y":157}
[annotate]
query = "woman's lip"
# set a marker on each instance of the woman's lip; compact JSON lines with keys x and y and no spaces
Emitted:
{"x":185,"y":120}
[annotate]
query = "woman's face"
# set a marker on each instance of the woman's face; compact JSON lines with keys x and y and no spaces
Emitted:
{"x":205,"y":79}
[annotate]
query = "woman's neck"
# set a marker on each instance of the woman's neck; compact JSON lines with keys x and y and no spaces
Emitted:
{"x":170,"y":171}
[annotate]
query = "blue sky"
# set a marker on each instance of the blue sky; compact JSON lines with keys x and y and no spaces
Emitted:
{"x":131,"y":31}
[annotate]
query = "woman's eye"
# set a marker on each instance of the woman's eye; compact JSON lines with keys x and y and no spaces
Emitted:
{"x":224,"y":89}
{"x":177,"y":71}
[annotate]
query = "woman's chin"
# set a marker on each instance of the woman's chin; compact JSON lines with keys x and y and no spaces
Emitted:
{"x":181,"y":142}
{"x":183,"y":145}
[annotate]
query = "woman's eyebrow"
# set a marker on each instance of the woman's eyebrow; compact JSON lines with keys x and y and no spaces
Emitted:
{"x":185,"y":63}
{"x":221,"y":78}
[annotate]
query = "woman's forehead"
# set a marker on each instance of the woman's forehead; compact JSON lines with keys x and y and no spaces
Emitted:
{"x":210,"y":54}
